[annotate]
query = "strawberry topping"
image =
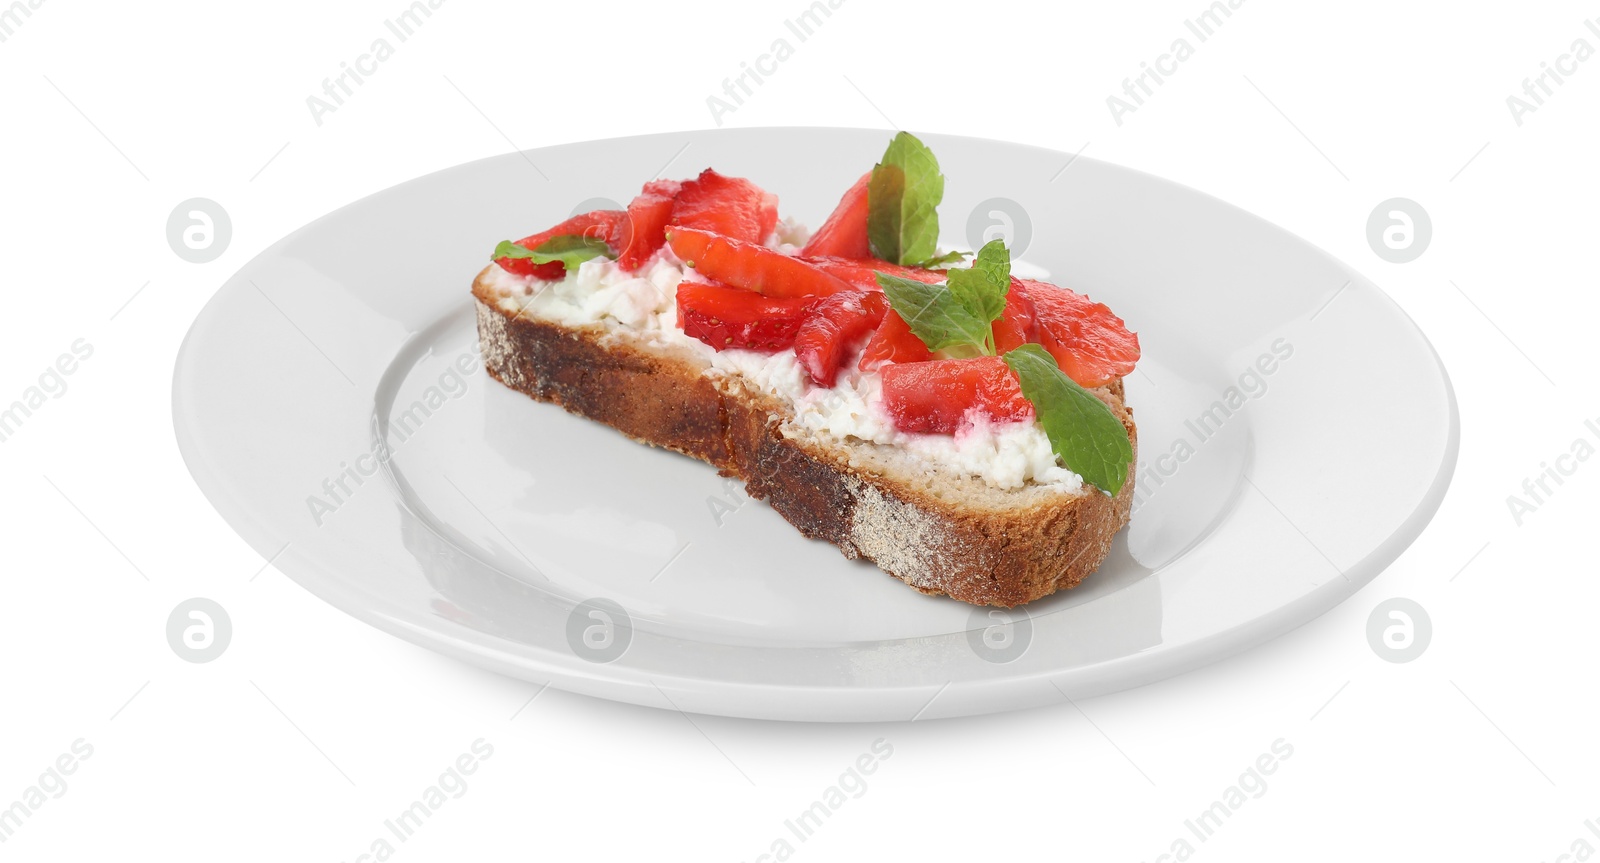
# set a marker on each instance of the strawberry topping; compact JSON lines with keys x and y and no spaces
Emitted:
{"x":644,"y":232}
{"x":607,"y":225}
{"x":751,"y":266}
{"x":824,"y":302}
{"x":893,"y":342}
{"x":1017,"y":325}
{"x":837,"y":324}
{"x":862,"y":272}
{"x":939,"y":396}
{"x":1092,"y":345}
{"x":725,"y":317}
{"x":731,"y":206}
{"x":844,"y":234}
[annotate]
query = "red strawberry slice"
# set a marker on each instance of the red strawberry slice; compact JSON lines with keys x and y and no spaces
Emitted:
{"x":751,"y":266}
{"x":1092,"y":345}
{"x":893,"y":342}
{"x":935,"y":397}
{"x":1017,"y":325}
{"x":645,"y":230}
{"x":862,"y":272}
{"x":554,"y":271}
{"x":844,"y":234}
{"x":731,"y":206}
{"x":837,"y":323}
{"x":725,"y":317}
{"x":603,"y":224}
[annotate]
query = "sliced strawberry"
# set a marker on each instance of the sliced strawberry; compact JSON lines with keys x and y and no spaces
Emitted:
{"x":725,"y":317}
{"x":731,"y":206}
{"x":1092,"y":345}
{"x":935,"y":397}
{"x":1017,"y":325}
{"x":554,"y":271}
{"x":844,"y":234}
{"x":893,"y":342}
{"x":645,"y":232}
{"x":751,"y":266}
{"x":837,"y":324}
{"x":607,"y":225}
{"x":862,"y":272}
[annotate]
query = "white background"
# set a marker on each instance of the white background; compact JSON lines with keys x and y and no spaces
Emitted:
{"x":313,"y":728}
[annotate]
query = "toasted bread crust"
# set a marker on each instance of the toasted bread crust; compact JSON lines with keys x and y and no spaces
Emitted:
{"x":936,"y":544}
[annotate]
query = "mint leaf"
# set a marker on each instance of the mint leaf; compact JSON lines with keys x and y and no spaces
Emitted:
{"x":570,"y":249}
{"x":957,"y":316}
{"x":952,"y":257}
{"x":1082,"y":429}
{"x":902,"y":202}
{"x":935,"y":315}
{"x":982,"y":287}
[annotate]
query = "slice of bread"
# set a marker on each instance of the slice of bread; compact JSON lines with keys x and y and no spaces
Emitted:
{"x":936,"y":530}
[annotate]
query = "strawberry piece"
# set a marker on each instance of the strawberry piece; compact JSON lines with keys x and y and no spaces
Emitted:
{"x":644,"y":232}
{"x":844,"y":234}
{"x":893,"y":342}
{"x":603,"y":224}
{"x":751,"y":266}
{"x":939,"y":396}
{"x":837,"y":323}
{"x":862,"y":272}
{"x":1017,"y":325}
{"x":554,"y":271}
{"x":1092,"y":345}
{"x":725,"y":317}
{"x":731,"y":206}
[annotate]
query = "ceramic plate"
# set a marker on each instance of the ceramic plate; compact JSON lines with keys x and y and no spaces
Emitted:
{"x":330,"y":402}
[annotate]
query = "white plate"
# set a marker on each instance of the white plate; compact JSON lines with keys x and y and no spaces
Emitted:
{"x":494,"y":517}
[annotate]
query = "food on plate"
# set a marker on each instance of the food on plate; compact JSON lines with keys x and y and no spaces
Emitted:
{"x":960,"y":426}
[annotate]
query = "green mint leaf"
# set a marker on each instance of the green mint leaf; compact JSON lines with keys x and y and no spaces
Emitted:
{"x":570,"y":249}
{"x":935,"y":315}
{"x":946,"y":258}
{"x":982,"y":287}
{"x":958,"y":316}
{"x":1083,"y":431}
{"x":902,"y":203}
